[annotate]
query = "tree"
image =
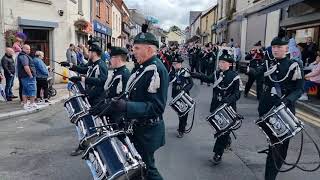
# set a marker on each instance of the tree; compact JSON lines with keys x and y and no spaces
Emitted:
{"x":174,"y":28}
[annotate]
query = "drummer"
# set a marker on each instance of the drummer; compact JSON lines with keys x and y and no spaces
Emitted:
{"x":225,"y":90}
{"x":145,"y":101}
{"x":96,"y":75}
{"x":284,"y":83}
{"x":116,"y":85}
{"x":181,"y":81}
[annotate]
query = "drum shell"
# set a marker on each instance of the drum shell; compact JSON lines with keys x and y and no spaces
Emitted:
{"x":182,"y":103}
{"x":76,"y":106}
{"x":114,"y":158}
{"x":223,"y":119}
{"x":277,"y":117}
{"x":86,"y":129}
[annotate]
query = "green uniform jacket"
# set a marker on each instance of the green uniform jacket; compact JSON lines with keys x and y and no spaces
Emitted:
{"x":118,"y":82}
{"x":95,"y":80}
{"x":143,"y":105}
{"x":291,"y":88}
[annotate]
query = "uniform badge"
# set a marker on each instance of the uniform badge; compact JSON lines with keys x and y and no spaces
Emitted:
{"x":142,"y":36}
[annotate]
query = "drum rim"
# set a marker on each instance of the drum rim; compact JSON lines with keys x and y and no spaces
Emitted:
{"x":74,"y":96}
{"x":99,"y":140}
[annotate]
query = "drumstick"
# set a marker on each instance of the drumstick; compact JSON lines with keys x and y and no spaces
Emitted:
{"x":60,"y":74}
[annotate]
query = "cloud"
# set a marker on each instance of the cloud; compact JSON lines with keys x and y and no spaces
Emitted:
{"x":170,"y":12}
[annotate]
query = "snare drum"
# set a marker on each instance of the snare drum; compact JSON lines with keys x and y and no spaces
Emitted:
{"x":86,"y":128}
{"x":112,"y":157}
{"x":279,"y":124}
{"x":76,"y":106}
{"x":182,"y":103}
{"x":224,"y":119}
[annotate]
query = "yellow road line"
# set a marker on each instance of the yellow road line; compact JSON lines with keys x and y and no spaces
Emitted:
{"x":300,"y":114}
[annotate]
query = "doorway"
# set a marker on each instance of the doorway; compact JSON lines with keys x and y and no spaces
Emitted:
{"x":38,"y":39}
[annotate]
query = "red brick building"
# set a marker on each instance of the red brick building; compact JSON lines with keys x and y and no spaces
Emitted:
{"x":101,"y":18}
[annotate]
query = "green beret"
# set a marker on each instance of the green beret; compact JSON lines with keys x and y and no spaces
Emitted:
{"x":225,"y":56}
{"x":118,"y":51}
{"x":95,"y":48}
{"x":279,"y":41}
{"x":145,"y":37}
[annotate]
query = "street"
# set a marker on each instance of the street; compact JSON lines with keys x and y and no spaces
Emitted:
{"x":37,"y":147}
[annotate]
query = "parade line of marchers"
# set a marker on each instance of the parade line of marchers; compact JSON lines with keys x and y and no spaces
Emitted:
{"x":120,"y":124}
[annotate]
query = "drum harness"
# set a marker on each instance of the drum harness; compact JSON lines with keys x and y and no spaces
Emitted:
{"x":278,"y":92}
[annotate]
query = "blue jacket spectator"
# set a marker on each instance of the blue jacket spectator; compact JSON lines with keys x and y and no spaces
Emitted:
{"x":41,"y":68}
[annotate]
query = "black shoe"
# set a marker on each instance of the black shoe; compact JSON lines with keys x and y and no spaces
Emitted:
{"x":180,"y":135}
{"x":208,"y":84}
{"x":13,"y":97}
{"x":245,"y":95}
{"x":228,"y":148}
{"x":216,"y":159}
{"x":76,"y":152}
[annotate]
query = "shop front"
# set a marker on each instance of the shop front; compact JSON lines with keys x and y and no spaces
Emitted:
{"x":39,"y":36}
{"x":303,"y":20}
{"x":103,"y":33}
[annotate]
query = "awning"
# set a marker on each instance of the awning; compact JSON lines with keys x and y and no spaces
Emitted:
{"x":37,"y":23}
{"x":277,"y":5}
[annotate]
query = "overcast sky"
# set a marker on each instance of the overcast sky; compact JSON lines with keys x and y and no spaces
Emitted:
{"x":170,"y":12}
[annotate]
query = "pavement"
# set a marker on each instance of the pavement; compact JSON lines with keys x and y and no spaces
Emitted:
{"x":14,"y":108}
{"x":37,"y":146}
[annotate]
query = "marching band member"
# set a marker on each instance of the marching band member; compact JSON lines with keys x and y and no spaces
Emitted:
{"x":225,"y":90}
{"x":284,"y":83}
{"x":116,"y":85}
{"x":181,"y":81}
{"x":256,"y":58}
{"x":146,"y":97}
{"x":96,"y":74}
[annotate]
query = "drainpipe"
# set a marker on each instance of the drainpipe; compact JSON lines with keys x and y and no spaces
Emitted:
{"x":2,"y":45}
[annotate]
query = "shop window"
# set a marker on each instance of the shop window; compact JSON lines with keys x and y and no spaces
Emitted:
{"x":107,"y":14}
{"x":98,"y":8}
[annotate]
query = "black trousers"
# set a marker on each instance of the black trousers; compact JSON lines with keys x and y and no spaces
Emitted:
{"x":42,"y":84}
{"x":211,"y":68}
{"x":259,"y":85}
{"x":203,"y":68}
{"x":274,"y":160}
{"x":221,"y":143}
{"x":183,"y":123}
{"x":195,"y":65}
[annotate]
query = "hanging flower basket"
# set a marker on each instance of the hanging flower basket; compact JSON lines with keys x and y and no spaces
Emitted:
{"x":10,"y":37}
{"x":81,"y":24}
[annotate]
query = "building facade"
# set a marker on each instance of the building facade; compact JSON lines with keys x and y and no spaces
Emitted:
{"x":116,"y":25}
{"x":208,"y":19}
{"x":195,"y":28}
{"x":175,"y":37}
{"x":102,"y":21}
